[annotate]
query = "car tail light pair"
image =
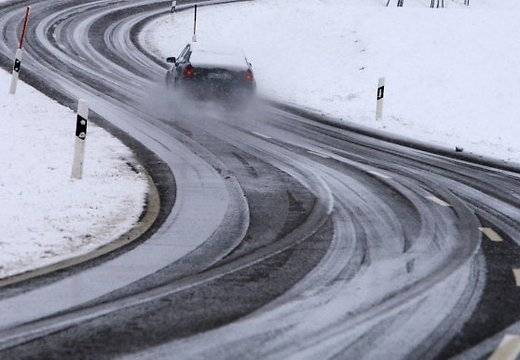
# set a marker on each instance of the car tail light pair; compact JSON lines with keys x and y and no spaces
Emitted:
{"x":248,"y":76}
{"x":189,"y":73}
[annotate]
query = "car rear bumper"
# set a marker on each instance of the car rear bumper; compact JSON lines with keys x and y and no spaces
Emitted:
{"x":202,"y":90}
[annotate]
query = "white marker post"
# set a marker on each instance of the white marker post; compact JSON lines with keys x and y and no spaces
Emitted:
{"x":174,"y":6}
{"x":194,"y":39}
{"x":81,"y":137}
{"x":380,"y":98}
{"x":19,"y":55}
{"x":16,"y":71}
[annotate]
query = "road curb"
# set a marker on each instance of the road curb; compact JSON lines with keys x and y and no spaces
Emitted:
{"x":146,"y":219}
{"x":393,"y":138}
{"x":190,"y":4}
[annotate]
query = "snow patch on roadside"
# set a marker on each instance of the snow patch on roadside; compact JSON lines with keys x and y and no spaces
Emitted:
{"x":452,"y":74}
{"x":45,"y":217}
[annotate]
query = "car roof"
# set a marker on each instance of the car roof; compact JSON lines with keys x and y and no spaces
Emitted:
{"x":203,"y":55}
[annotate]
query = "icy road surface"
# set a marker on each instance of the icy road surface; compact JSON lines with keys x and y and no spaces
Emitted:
{"x":288,"y":238}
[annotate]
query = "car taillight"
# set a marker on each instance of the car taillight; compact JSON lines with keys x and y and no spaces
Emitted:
{"x":188,"y":72}
{"x":248,"y":76}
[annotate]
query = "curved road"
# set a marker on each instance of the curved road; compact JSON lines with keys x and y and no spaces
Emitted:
{"x":288,"y":238}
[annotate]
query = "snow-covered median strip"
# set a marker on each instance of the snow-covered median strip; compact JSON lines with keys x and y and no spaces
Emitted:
{"x":45,"y":217}
{"x":451,"y":74}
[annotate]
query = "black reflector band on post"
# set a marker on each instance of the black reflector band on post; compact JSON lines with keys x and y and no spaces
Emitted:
{"x":17,"y":65}
{"x":380,"y":92}
{"x":81,"y":127}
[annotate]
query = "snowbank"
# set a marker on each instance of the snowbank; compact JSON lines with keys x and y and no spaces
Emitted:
{"x":46,"y":217}
{"x":452,"y":74}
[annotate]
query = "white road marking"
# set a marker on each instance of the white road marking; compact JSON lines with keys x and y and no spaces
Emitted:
{"x":319,"y":154}
{"x":491,"y":234}
{"x":379,"y":174}
{"x":438,"y":201}
{"x":516,"y":273}
{"x":262,"y":135}
{"x":508,"y":349}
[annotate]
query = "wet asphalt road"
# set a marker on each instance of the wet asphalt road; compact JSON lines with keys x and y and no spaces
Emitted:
{"x":288,"y":238}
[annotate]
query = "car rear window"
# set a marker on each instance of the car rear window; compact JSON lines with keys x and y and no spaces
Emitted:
{"x":218,"y":59}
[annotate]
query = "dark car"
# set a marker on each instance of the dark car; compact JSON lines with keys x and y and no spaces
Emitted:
{"x":204,"y":72}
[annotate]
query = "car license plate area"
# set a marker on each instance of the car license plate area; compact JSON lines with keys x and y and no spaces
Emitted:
{"x":219,"y":76}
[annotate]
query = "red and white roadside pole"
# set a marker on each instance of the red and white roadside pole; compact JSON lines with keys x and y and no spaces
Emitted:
{"x":19,"y":55}
{"x":81,"y":137}
{"x":194,"y":39}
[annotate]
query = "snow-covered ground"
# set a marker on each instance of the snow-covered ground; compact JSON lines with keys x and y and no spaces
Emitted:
{"x":452,"y":75}
{"x":45,"y":217}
